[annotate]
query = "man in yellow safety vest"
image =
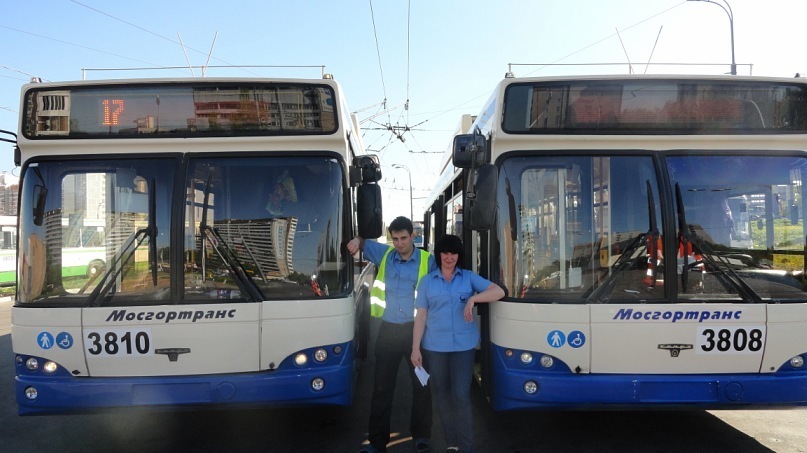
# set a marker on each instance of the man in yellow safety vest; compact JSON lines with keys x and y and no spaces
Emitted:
{"x":392,"y":298}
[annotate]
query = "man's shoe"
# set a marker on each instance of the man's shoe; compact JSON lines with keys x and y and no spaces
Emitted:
{"x":422,"y":446}
{"x":453,"y":450}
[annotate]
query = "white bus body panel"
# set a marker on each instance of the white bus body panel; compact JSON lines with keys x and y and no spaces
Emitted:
{"x":661,"y":346}
{"x":290,"y":326}
{"x":256,"y":337}
{"x":529,"y":327}
{"x":27,"y":326}
{"x":216,"y":338}
{"x":638,"y":346}
{"x":787,"y":334}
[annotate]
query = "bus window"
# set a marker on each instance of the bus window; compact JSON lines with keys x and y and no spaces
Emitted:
{"x":577,"y":218}
{"x":83,"y":251}
{"x":417,"y":234}
{"x":277,"y":219}
{"x":94,"y":230}
{"x":752,"y":226}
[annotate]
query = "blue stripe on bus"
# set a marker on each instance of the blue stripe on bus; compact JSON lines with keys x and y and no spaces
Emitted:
{"x":284,"y":386}
{"x":568,"y":390}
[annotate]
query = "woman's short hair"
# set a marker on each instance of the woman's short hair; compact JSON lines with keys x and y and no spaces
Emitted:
{"x":450,"y":244}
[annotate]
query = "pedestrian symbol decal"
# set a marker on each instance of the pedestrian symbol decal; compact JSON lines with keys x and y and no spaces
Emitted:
{"x":576,"y":339}
{"x":45,"y":340}
{"x":556,"y":338}
{"x":64,"y":340}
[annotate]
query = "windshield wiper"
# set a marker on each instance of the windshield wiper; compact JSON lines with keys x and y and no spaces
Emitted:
{"x":687,"y":235}
{"x":122,"y":258}
{"x":682,"y":237}
{"x":629,"y":256}
{"x":152,"y":230}
{"x":652,"y":246}
{"x":234,"y":266}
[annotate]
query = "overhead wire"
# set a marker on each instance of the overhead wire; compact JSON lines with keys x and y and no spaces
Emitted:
{"x":487,"y":93}
{"x":378,"y":53}
{"x":398,"y":129}
{"x":19,"y":71}
{"x":61,"y":41}
{"x":394,"y":128}
{"x":407,"y":128}
{"x":408,"y":29}
{"x":611,"y":35}
{"x":162,"y":37}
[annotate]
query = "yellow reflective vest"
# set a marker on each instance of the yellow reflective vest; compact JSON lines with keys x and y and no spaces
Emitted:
{"x":378,"y":293}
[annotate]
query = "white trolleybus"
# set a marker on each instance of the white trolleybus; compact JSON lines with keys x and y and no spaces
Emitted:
{"x":217,"y":211}
{"x":650,"y":235}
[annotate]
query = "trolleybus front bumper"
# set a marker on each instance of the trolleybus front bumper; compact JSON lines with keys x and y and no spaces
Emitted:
{"x":37,"y":393}
{"x":561,"y":388}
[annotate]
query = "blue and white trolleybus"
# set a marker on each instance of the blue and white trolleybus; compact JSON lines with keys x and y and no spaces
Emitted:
{"x":650,"y":234}
{"x":217,"y":211}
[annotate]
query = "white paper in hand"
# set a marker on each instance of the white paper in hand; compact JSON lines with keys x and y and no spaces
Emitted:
{"x":422,"y":375}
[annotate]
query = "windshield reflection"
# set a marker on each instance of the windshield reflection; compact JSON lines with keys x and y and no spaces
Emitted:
{"x":590,"y":228}
{"x":279,"y":221}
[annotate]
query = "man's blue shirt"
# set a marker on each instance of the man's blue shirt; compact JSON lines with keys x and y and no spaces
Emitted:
{"x":400,"y":280}
{"x":446,"y":327}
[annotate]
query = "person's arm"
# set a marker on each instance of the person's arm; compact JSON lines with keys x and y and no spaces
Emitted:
{"x":355,"y":245}
{"x":492,"y":293}
{"x":417,"y":336}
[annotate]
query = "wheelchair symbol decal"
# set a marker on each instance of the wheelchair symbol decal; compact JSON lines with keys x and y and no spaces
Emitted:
{"x":576,"y":339}
{"x":64,"y":340}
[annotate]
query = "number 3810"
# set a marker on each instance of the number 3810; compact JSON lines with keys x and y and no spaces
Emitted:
{"x":115,"y":342}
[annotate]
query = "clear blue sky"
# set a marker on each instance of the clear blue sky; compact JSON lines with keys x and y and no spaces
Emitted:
{"x":444,"y":56}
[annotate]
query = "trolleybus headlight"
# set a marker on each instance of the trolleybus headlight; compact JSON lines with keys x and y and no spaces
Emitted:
{"x":31,"y":393}
{"x":18,"y":360}
{"x":797,"y":362}
{"x":320,"y":355}
{"x":318,"y":384}
{"x":526,"y":358}
{"x":530,"y":387}
{"x":50,"y":367}
{"x":301,"y":359}
{"x":547,"y":361}
{"x":337,"y":350}
{"x":32,"y":364}
{"x":508,"y":353}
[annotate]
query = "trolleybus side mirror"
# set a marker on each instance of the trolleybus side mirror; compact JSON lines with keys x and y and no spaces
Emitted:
{"x":469,"y":150}
{"x":479,"y":211}
{"x":365,"y":169}
{"x":368,"y":211}
{"x":17,"y":157}
{"x":366,"y":172}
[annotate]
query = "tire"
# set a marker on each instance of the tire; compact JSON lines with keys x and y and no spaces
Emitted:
{"x":95,"y":268}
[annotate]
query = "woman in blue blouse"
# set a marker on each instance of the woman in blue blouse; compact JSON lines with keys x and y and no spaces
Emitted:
{"x":447,"y":332}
